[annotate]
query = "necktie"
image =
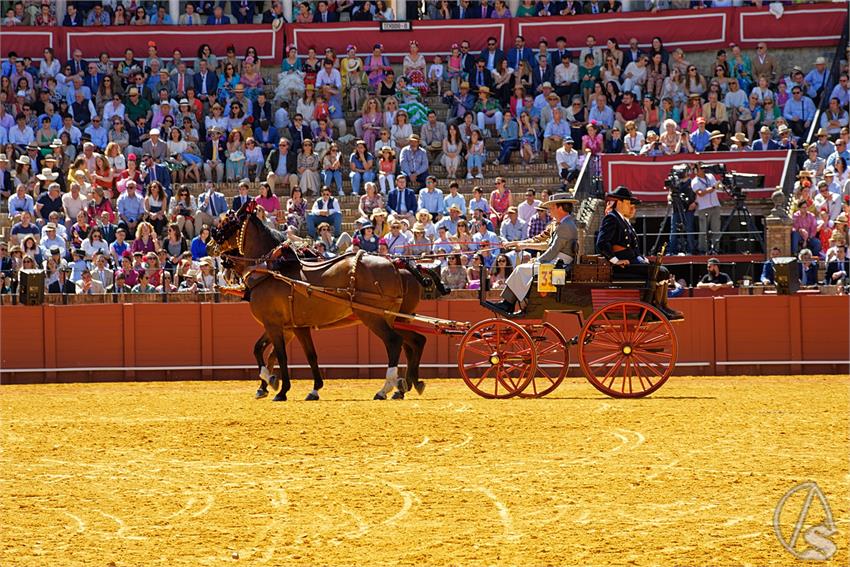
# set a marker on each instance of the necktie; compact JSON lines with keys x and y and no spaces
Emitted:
{"x":215,"y":151}
{"x":189,"y":21}
{"x":153,"y":173}
{"x":480,"y":79}
{"x":203,"y":83}
{"x":212,"y":206}
{"x":180,"y":88}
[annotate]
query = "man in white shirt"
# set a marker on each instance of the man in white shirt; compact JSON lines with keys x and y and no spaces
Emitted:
{"x":326,"y":209}
{"x":454,"y":199}
{"x":567,"y":159}
{"x":20,"y":134}
{"x":708,"y":207}
{"x":329,"y":76}
{"x":528,"y":208}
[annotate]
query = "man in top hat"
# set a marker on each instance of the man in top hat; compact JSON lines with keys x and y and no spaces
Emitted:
{"x":563,"y":244}
{"x":618,"y":243}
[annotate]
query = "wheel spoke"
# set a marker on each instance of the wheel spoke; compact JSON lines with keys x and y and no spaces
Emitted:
{"x":614,"y":368}
{"x":651,"y":367}
{"x":477,"y":351}
{"x":604,"y":359}
{"x":645,"y":352}
{"x":644,"y":311}
{"x":483,"y":376}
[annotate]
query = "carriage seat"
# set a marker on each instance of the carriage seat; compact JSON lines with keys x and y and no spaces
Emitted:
{"x":592,"y":268}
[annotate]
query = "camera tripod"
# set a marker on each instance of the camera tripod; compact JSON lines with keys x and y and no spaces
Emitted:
{"x":745,"y":218}
{"x":675,"y":209}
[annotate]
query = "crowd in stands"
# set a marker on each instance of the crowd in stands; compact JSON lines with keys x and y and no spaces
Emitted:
{"x":116,"y":166}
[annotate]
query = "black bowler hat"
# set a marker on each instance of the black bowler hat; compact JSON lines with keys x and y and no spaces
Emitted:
{"x":622,"y":193}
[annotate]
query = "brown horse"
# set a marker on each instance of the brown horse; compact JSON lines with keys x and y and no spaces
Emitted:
{"x":284,"y":311}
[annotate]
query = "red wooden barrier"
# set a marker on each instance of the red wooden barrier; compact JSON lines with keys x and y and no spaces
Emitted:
{"x":731,"y":334}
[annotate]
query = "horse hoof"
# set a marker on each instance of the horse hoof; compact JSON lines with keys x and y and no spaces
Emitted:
{"x":312,"y":396}
{"x":280,"y":397}
{"x":273,"y":382}
{"x":398,"y":396}
{"x":380,"y":396}
{"x":419,"y":386}
{"x":261,"y":394}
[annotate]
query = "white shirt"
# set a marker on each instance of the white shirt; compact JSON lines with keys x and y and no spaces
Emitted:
{"x":566,"y":160}
{"x":525,"y":211}
{"x":709,"y":200}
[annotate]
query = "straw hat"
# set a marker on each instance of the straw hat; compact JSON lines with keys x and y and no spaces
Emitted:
{"x":24,"y":160}
{"x":47,"y":175}
{"x":715,"y":134}
{"x":559,"y":198}
{"x":740,"y":138}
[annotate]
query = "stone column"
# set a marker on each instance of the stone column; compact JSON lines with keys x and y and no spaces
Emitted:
{"x":174,"y":10}
{"x":514,"y":6}
{"x":287,"y":10}
{"x":400,"y":9}
{"x":777,"y":233}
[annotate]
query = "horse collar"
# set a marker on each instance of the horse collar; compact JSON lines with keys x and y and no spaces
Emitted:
{"x":240,"y":240}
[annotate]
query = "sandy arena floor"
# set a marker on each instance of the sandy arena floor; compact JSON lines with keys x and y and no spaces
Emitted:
{"x":202,"y":474}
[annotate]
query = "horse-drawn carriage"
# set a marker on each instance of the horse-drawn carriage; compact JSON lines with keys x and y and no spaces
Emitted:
{"x":626,"y":346}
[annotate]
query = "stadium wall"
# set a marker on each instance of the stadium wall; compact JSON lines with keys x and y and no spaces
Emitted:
{"x":805,"y":26}
{"x":201,"y":341}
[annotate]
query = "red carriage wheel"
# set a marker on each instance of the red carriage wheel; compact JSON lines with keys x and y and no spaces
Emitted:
{"x":627,"y":349}
{"x":553,"y":360}
{"x":497,"y":358}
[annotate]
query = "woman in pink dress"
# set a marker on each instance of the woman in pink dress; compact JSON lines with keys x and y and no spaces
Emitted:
{"x":376,"y":67}
{"x":593,"y":145}
{"x":500,"y":200}
{"x":371,"y":122}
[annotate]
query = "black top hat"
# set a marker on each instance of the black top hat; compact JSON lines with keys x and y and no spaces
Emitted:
{"x":622,"y":193}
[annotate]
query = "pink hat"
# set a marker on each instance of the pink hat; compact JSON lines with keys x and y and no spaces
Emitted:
{"x":249,"y":60}
{"x":132,"y":157}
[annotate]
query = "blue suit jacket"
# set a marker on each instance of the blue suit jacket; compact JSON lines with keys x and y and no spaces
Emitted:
{"x":224,"y":21}
{"x":527,"y":55}
{"x":162,"y":175}
{"x":759,"y":146}
{"x":211,"y":81}
{"x":218,"y":199}
{"x":811,"y":274}
{"x":394,"y":197}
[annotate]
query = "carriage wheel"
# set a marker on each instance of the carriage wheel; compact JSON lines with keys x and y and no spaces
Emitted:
{"x":553,"y":360}
{"x":627,"y":349}
{"x":497,"y":358}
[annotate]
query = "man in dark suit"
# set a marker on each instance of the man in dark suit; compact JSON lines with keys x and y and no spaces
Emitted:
{"x":242,"y":198}
{"x":467,"y":58}
{"x":543,"y":73}
{"x":520,"y":53}
{"x":63,"y":284}
{"x":401,"y":201}
{"x":157,"y":172}
{"x":768,"y":270}
{"x":205,"y":81}
{"x":243,"y":11}
{"x":299,"y":131}
{"x":618,"y":243}
{"x":73,"y":18}
{"x":838,"y":268}
{"x":324,"y":16}
{"x":262,"y":109}
{"x":218,"y":18}
{"x":465,"y":11}
{"x":282,"y":166}
{"x":120,"y":285}
{"x":492,"y":56}
{"x":92,"y":78}
{"x":546,"y":8}
{"x":765,"y":142}
{"x":480,"y":77}
{"x":563,"y":246}
{"x":559,"y":52}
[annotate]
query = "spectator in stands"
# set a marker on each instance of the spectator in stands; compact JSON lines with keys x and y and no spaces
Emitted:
{"x":413,"y":161}
{"x":804,"y":227}
{"x":808,"y":268}
{"x":361,"y":164}
{"x":715,"y":279}
{"x":401,"y":201}
{"x":325,"y":209}
{"x":799,"y":111}
{"x":513,"y":228}
{"x":217,"y":18}
{"x":63,"y":284}
{"x":838,"y":268}
{"x":567,"y":161}
{"x":431,"y":198}
{"x":475,"y":156}
{"x":765,"y":142}
{"x":20,"y":202}
{"x":834,"y":118}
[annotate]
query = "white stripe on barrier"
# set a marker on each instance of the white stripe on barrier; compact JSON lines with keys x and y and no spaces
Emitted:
{"x":249,"y":367}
